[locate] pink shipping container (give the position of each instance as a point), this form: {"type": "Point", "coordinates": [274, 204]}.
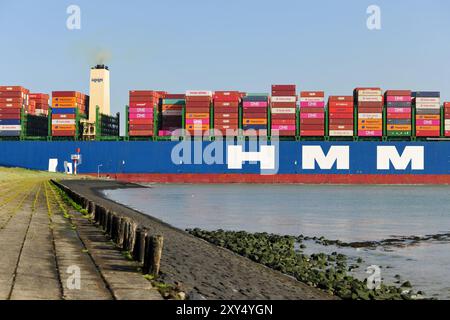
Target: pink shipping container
{"type": "Point", "coordinates": [372, 133]}
{"type": "Point", "coordinates": [197, 121]}
{"type": "Point", "coordinates": [399, 110]}
{"type": "Point", "coordinates": [141, 115]}
{"type": "Point", "coordinates": [398, 99]}
{"type": "Point", "coordinates": [283, 127]}
{"type": "Point", "coordinates": [314, 104]}
{"type": "Point", "coordinates": [421, 122]}
{"type": "Point", "coordinates": [258, 104]}
{"type": "Point", "coordinates": [312, 116]}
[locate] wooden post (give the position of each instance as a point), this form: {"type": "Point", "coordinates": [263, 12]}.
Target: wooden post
{"type": "Point", "coordinates": [114, 227]}
{"type": "Point", "coordinates": [124, 233]}
{"type": "Point", "coordinates": [153, 253]}
{"type": "Point", "coordinates": [120, 232]}
{"type": "Point", "coordinates": [131, 233]}
{"type": "Point", "coordinates": [108, 221]}
{"type": "Point", "coordinates": [139, 245]}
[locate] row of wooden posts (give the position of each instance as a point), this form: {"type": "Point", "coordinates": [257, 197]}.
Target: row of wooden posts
{"type": "Point", "coordinates": [124, 232]}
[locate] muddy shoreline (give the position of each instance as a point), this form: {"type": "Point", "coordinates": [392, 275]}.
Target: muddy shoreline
{"type": "Point", "coordinates": [203, 270]}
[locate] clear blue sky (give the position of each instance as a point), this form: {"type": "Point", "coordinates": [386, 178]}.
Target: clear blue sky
{"type": "Point", "coordinates": [212, 44]}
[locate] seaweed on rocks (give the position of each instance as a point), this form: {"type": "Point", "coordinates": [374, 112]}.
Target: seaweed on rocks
{"type": "Point", "coordinates": [284, 254]}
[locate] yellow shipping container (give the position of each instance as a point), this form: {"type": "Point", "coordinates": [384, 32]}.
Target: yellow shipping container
{"type": "Point", "coordinates": [399, 127]}
{"type": "Point", "coordinates": [63, 127]}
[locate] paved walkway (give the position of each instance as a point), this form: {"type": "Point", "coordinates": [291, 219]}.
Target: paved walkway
{"type": "Point", "coordinates": [49, 251]}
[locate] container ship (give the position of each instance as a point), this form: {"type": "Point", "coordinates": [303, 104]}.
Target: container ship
{"type": "Point", "coordinates": [201, 136]}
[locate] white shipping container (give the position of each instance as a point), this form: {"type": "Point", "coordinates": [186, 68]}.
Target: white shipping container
{"type": "Point", "coordinates": [370, 98]}
{"type": "Point", "coordinates": [283, 110]}
{"type": "Point", "coordinates": [447, 127]}
{"type": "Point", "coordinates": [428, 100]}
{"type": "Point", "coordinates": [370, 115]}
{"type": "Point", "coordinates": [10, 127]}
{"type": "Point", "coordinates": [370, 92]}
{"type": "Point", "coordinates": [63, 121]}
{"type": "Point", "coordinates": [194, 93]}
{"type": "Point", "coordinates": [283, 99]}
{"type": "Point", "coordinates": [312, 99]}
{"type": "Point", "coordinates": [428, 106]}
{"type": "Point", "coordinates": [341, 133]}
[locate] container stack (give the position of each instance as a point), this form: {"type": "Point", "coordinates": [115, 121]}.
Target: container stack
{"type": "Point", "coordinates": [13, 99]}
{"type": "Point", "coordinates": [428, 113]}
{"type": "Point", "coordinates": [226, 112]}
{"type": "Point", "coordinates": [447, 119]}
{"type": "Point", "coordinates": [312, 113]}
{"type": "Point", "coordinates": [254, 114]}
{"type": "Point", "coordinates": [340, 116]}
{"type": "Point", "coordinates": [283, 110]}
{"type": "Point", "coordinates": [171, 114]}
{"type": "Point", "coordinates": [141, 112]}
{"type": "Point", "coordinates": [198, 104]}
{"type": "Point", "coordinates": [370, 111]}
{"type": "Point", "coordinates": [41, 101]}
{"type": "Point", "coordinates": [399, 113]}
{"type": "Point", "coordinates": [65, 107]}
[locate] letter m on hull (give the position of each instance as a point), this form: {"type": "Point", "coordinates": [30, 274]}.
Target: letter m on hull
{"type": "Point", "coordinates": [387, 155]}
{"type": "Point", "coordinates": [339, 155]}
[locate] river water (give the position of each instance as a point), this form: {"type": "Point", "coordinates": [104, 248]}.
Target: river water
{"type": "Point", "coordinates": [346, 213]}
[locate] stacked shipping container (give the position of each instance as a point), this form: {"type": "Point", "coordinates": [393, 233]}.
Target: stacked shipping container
{"type": "Point", "coordinates": [447, 119]}
{"type": "Point", "coordinates": [13, 99]}
{"type": "Point", "coordinates": [340, 116]}
{"type": "Point", "coordinates": [65, 107]}
{"type": "Point", "coordinates": [428, 113]}
{"type": "Point", "coordinates": [370, 111]}
{"type": "Point", "coordinates": [41, 101]}
{"type": "Point", "coordinates": [141, 112]}
{"type": "Point", "coordinates": [398, 113]}
{"type": "Point", "coordinates": [254, 114]}
{"type": "Point", "coordinates": [172, 114]}
{"type": "Point", "coordinates": [198, 108]}
{"type": "Point", "coordinates": [312, 113]}
{"type": "Point", "coordinates": [283, 110]}
{"type": "Point", "coordinates": [226, 112]}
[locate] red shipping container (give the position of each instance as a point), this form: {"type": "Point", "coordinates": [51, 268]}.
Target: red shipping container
{"type": "Point", "coordinates": [283, 105]}
{"type": "Point", "coordinates": [139, 99]}
{"type": "Point", "coordinates": [198, 104]}
{"type": "Point", "coordinates": [284, 93]}
{"type": "Point", "coordinates": [340, 110]}
{"type": "Point", "coordinates": [141, 105]}
{"type": "Point", "coordinates": [312, 121]}
{"type": "Point", "coordinates": [284, 133]}
{"type": "Point", "coordinates": [341, 99]}
{"type": "Point", "coordinates": [13, 88]}
{"type": "Point", "coordinates": [144, 93]}
{"type": "Point", "coordinates": [428, 133]}
{"type": "Point", "coordinates": [198, 99]}
{"type": "Point", "coordinates": [63, 116]}
{"type": "Point", "coordinates": [226, 121]}
{"type": "Point", "coordinates": [133, 127]}
{"type": "Point", "coordinates": [140, 133]}
{"type": "Point", "coordinates": [284, 87]}
{"type": "Point", "coordinates": [12, 94]}
{"type": "Point", "coordinates": [312, 110]}
{"type": "Point", "coordinates": [346, 127]}
{"type": "Point", "coordinates": [226, 116]}
{"type": "Point", "coordinates": [63, 133]}
{"type": "Point", "coordinates": [311, 127]}
{"type": "Point", "coordinates": [140, 121]}
{"type": "Point", "coordinates": [312, 94]}
{"type": "Point", "coordinates": [341, 115]}
{"type": "Point", "coordinates": [255, 115]}
{"type": "Point", "coordinates": [341, 121]}
{"type": "Point", "coordinates": [228, 104]}
{"type": "Point", "coordinates": [16, 105]}
{"type": "Point", "coordinates": [399, 93]}
{"type": "Point", "coordinates": [10, 110]}
{"type": "Point", "coordinates": [197, 110]}
{"type": "Point", "coordinates": [312, 133]}
{"type": "Point", "coordinates": [284, 121]}
{"type": "Point", "coordinates": [11, 100]}
{"type": "Point", "coordinates": [66, 94]}
{"type": "Point", "coordinates": [283, 116]}
{"type": "Point", "coordinates": [370, 110]}
{"type": "Point", "coordinates": [180, 96]}
{"type": "Point", "coordinates": [368, 104]}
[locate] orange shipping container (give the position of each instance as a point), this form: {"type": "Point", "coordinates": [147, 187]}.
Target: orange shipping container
{"type": "Point", "coordinates": [428, 128]}
{"type": "Point", "coordinates": [255, 121]}
{"type": "Point", "coordinates": [197, 115]}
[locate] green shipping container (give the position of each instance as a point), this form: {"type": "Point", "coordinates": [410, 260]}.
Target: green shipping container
{"type": "Point", "coordinates": [399, 133]}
